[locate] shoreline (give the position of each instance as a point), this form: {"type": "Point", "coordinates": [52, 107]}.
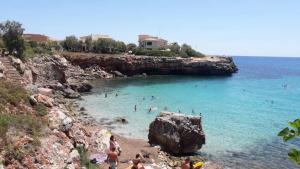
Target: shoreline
{"type": "Point", "coordinates": [54, 82]}
{"type": "Point", "coordinates": [125, 140]}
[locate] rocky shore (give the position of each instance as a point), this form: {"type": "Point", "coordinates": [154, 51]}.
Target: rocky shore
{"type": "Point", "coordinates": [54, 82]}
{"type": "Point", "coordinates": [133, 65]}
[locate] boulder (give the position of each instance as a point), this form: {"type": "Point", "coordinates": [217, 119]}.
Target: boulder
{"type": "Point", "coordinates": [59, 120]}
{"type": "Point", "coordinates": [18, 64]}
{"type": "Point", "coordinates": [28, 76]}
{"type": "Point", "coordinates": [2, 67]}
{"type": "Point", "coordinates": [84, 86]}
{"type": "Point", "coordinates": [71, 94]}
{"type": "Point", "coordinates": [176, 133]}
{"type": "Point", "coordinates": [121, 120]}
{"type": "Point", "coordinates": [33, 100]}
{"type": "Point", "coordinates": [79, 135]}
{"type": "Point", "coordinates": [74, 156]}
{"type": "Point", "coordinates": [2, 76]}
{"type": "Point", "coordinates": [117, 73]}
{"type": "Point", "coordinates": [47, 101]}
{"type": "Point", "coordinates": [45, 91]}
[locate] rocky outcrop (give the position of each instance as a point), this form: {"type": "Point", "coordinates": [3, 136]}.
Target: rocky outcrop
{"type": "Point", "coordinates": [177, 134]}
{"type": "Point", "coordinates": [132, 65]}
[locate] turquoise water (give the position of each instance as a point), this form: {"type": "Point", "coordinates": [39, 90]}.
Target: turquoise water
{"type": "Point", "coordinates": [242, 113]}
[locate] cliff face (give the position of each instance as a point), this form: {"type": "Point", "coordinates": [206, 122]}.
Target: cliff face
{"type": "Point", "coordinates": [132, 65]}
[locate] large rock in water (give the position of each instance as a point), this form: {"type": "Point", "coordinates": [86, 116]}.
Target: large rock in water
{"type": "Point", "coordinates": [176, 133]}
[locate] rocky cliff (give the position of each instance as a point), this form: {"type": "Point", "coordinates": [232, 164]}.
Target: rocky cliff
{"type": "Point", "coordinates": [132, 65]}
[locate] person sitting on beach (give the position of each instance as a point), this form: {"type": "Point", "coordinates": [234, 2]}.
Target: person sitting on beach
{"type": "Point", "coordinates": [114, 144]}
{"type": "Point", "coordinates": [112, 159]}
{"type": "Point", "coordinates": [186, 164]}
{"type": "Point", "coordinates": [138, 159]}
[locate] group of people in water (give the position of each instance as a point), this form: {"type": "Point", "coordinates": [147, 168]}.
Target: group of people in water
{"type": "Point", "coordinates": [151, 108]}
{"type": "Point", "coordinates": [137, 163]}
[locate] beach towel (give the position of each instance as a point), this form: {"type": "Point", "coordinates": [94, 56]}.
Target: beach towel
{"type": "Point", "coordinates": [98, 158]}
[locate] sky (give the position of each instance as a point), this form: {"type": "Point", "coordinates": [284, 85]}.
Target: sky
{"type": "Point", "coordinates": [222, 27]}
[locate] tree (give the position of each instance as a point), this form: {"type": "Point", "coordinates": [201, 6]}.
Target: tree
{"type": "Point", "coordinates": [174, 47]}
{"type": "Point", "coordinates": [12, 33]}
{"type": "Point", "coordinates": [1, 43]}
{"type": "Point", "coordinates": [119, 47]}
{"type": "Point", "coordinates": [130, 47]}
{"type": "Point", "coordinates": [89, 44]}
{"type": "Point", "coordinates": [71, 43]}
{"type": "Point", "coordinates": [188, 51]}
{"type": "Point", "coordinates": [289, 134]}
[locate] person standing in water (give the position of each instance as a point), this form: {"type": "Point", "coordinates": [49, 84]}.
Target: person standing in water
{"type": "Point", "coordinates": [135, 107]}
{"type": "Point", "coordinates": [150, 110]}
{"type": "Point", "coordinates": [105, 95]}
{"type": "Point", "coordinates": [116, 94]}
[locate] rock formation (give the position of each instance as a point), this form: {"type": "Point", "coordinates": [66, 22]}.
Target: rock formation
{"type": "Point", "coordinates": [176, 133]}
{"type": "Point", "coordinates": [132, 65]}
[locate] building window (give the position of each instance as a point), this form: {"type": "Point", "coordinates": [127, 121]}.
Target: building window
{"type": "Point", "coordinates": [149, 43]}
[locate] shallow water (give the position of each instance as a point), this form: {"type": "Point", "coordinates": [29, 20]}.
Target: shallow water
{"type": "Point", "coordinates": [242, 113]}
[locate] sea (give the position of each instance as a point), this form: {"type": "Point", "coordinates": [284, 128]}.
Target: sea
{"type": "Point", "coordinates": [241, 114]}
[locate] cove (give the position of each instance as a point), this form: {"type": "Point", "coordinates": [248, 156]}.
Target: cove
{"type": "Point", "coordinates": [242, 113]}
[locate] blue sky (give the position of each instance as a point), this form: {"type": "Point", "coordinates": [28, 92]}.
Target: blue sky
{"type": "Point", "coordinates": [230, 27]}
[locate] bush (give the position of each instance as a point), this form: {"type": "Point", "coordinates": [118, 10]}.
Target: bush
{"type": "Point", "coordinates": [12, 93]}
{"type": "Point", "coordinates": [21, 124]}
{"type": "Point", "coordinates": [12, 32]}
{"type": "Point", "coordinates": [140, 51]}
{"type": "Point", "coordinates": [84, 159]}
{"type": "Point", "coordinates": [40, 109]}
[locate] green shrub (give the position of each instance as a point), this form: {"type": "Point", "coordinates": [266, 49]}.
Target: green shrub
{"type": "Point", "coordinates": [40, 109]}
{"type": "Point", "coordinates": [140, 51]}
{"type": "Point", "coordinates": [84, 159]}
{"type": "Point", "coordinates": [12, 93]}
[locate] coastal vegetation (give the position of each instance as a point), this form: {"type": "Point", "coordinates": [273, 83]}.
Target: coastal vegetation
{"type": "Point", "coordinates": [110, 46]}
{"type": "Point", "coordinates": [289, 134]}
{"type": "Point", "coordinates": [11, 38]}
{"type": "Point", "coordinates": [19, 129]}
{"type": "Point", "coordinates": [11, 32]}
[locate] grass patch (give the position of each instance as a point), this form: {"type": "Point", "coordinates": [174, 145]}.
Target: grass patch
{"type": "Point", "coordinates": [84, 159]}
{"type": "Point", "coordinates": [40, 109]}
{"type": "Point", "coordinates": [19, 130]}
{"type": "Point", "coordinates": [11, 93]}
{"type": "Point", "coordinates": [21, 125]}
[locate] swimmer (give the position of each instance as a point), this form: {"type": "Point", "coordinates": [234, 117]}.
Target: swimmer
{"type": "Point", "coordinates": [165, 108]}
{"type": "Point", "coordinates": [193, 111]}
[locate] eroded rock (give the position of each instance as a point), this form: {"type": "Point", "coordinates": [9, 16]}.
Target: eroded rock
{"type": "Point", "coordinates": [176, 133]}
